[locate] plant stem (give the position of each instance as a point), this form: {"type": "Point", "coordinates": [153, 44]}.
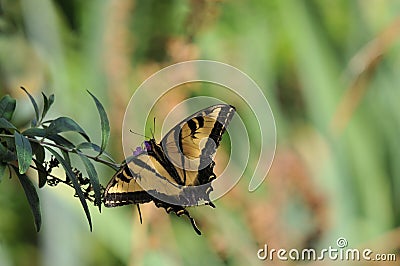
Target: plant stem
{"type": "Point", "coordinates": [54, 177]}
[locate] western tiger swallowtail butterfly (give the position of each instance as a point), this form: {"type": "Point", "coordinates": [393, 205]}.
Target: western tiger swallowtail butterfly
{"type": "Point", "coordinates": [166, 173]}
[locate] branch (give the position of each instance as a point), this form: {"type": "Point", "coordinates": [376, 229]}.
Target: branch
{"type": "Point", "coordinates": [59, 180]}
{"type": "Point", "coordinates": [95, 158]}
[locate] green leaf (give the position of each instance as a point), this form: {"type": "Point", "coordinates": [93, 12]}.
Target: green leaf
{"type": "Point", "coordinates": [94, 179]}
{"type": "Point", "coordinates": [45, 133]}
{"type": "Point", "coordinates": [3, 167]}
{"type": "Point", "coordinates": [60, 140]}
{"type": "Point", "coordinates": [24, 152]}
{"type": "Point", "coordinates": [45, 106]}
{"type": "Point", "coordinates": [88, 145]}
{"type": "Point", "coordinates": [105, 125]}
{"type": "Point", "coordinates": [47, 102]}
{"type": "Point", "coordinates": [39, 153]}
{"type": "Point", "coordinates": [64, 124]}
{"type": "Point", "coordinates": [32, 197]}
{"type": "Point", "coordinates": [4, 124]}
{"type": "Point", "coordinates": [7, 107]}
{"type": "Point", "coordinates": [42, 173]}
{"type": "Point", "coordinates": [95, 147]}
{"type": "Point", "coordinates": [6, 155]}
{"type": "Point", "coordinates": [72, 177]}
{"type": "Point", "coordinates": [66, 157]}
{"type": "Point", "coordinates": [51, 100]}
{"type": "Point", "coordinates": [35, 132]}
{"type": "Point", "coordinates": [35, 106]}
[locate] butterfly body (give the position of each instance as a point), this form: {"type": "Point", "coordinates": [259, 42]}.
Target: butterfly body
{"type": "Point", "coordinates": [177, 172]}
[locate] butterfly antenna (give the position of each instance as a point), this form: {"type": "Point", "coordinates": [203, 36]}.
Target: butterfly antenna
{"type": "Point", "coordinates": [133, 132]}
{"type": "Point", "coordinates": [140, 213]}
{"type": "Point", "coordinates": [154, 127]}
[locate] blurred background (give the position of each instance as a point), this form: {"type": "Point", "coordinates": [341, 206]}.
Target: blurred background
{"type": "Point", "coordinates": [328, 69]}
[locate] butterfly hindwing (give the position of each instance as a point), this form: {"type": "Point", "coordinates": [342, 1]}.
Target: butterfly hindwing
{"type": "Point", "coordinates": [137, 180]}
{"type": "Point", "coordinates": [123, 188]}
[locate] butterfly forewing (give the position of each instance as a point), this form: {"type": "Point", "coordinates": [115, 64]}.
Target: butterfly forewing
{"type": "Point", "coordinates": [191, 145]}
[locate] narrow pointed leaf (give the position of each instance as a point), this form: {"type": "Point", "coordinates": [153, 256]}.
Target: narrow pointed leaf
{"type": "Point", "coordinates": [51, 100]}
{"type": "Point", "coordinates": [88, 145]}
{"type": "Point", "coordinates": [7, 107]}
{"type": "Point", "coordinates": [6, 155]}
{"type": "Point", "coordinates": [4, 124]}
{"type": "Point", "coordinates": [9, 171]}
{"type": "Point", "coordinates": [35, 106]}
{"type": "Point", "coordinates": [45, 106]}
{"type": "Point", "coordinates": [94, 179]}
{"type": "Point", "coordinates": [24, 152]}
{"type": "Point", "coordinates": [47, 102]}
{"type": "Point", "coordinates": [42, 174]}
{"type": "Point", "coordinates": [95, 147]}
{"type": "Point", "coordinates": [64, 124]}
{"type": "Point", "coordinates": [60, 140]}
{"type": "Point", "coordinates": [74, 180]}
{"type": "Point", "coordinates": [3, 167]}
{"type": "Point", "coordinates": [66, 157]}
{"type": "Point", "coordinates": [32, 197]}
{"type": "Point", "coordinates": [43, 133]}
{"type": "Point", "coordinates": [105, 124]}
{"type": "Point", "coordinates": [34, 132]}
{"type": "Point", "coordinates": [39, 153]}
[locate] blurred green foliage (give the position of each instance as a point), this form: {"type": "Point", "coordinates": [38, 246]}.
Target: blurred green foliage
{"type": "Point", "coordinates": [328, 69]}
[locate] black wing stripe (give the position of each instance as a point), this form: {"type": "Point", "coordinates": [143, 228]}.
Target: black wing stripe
{"type": "Point", "coordinates": [125, 198]}
{"type": "Point", "coordinates": [158, 154]}
{"type": "Point", "coordinates": [181, 151]}
{"type": "Point", "coordinates": [200, 121]}
{"type": "Point", "coordinates": [206, 174]}
{"type": "Point", "coordinates": [192, 125]}
{"type": "Point", "coordinates": [151, 169]}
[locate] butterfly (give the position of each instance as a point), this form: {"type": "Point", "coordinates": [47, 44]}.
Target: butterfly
{"type": "Point", "coordinates": [177, 172]}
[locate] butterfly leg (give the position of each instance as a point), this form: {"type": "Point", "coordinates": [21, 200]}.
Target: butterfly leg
{"type": "Point", "coordinates": [140, 213]}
